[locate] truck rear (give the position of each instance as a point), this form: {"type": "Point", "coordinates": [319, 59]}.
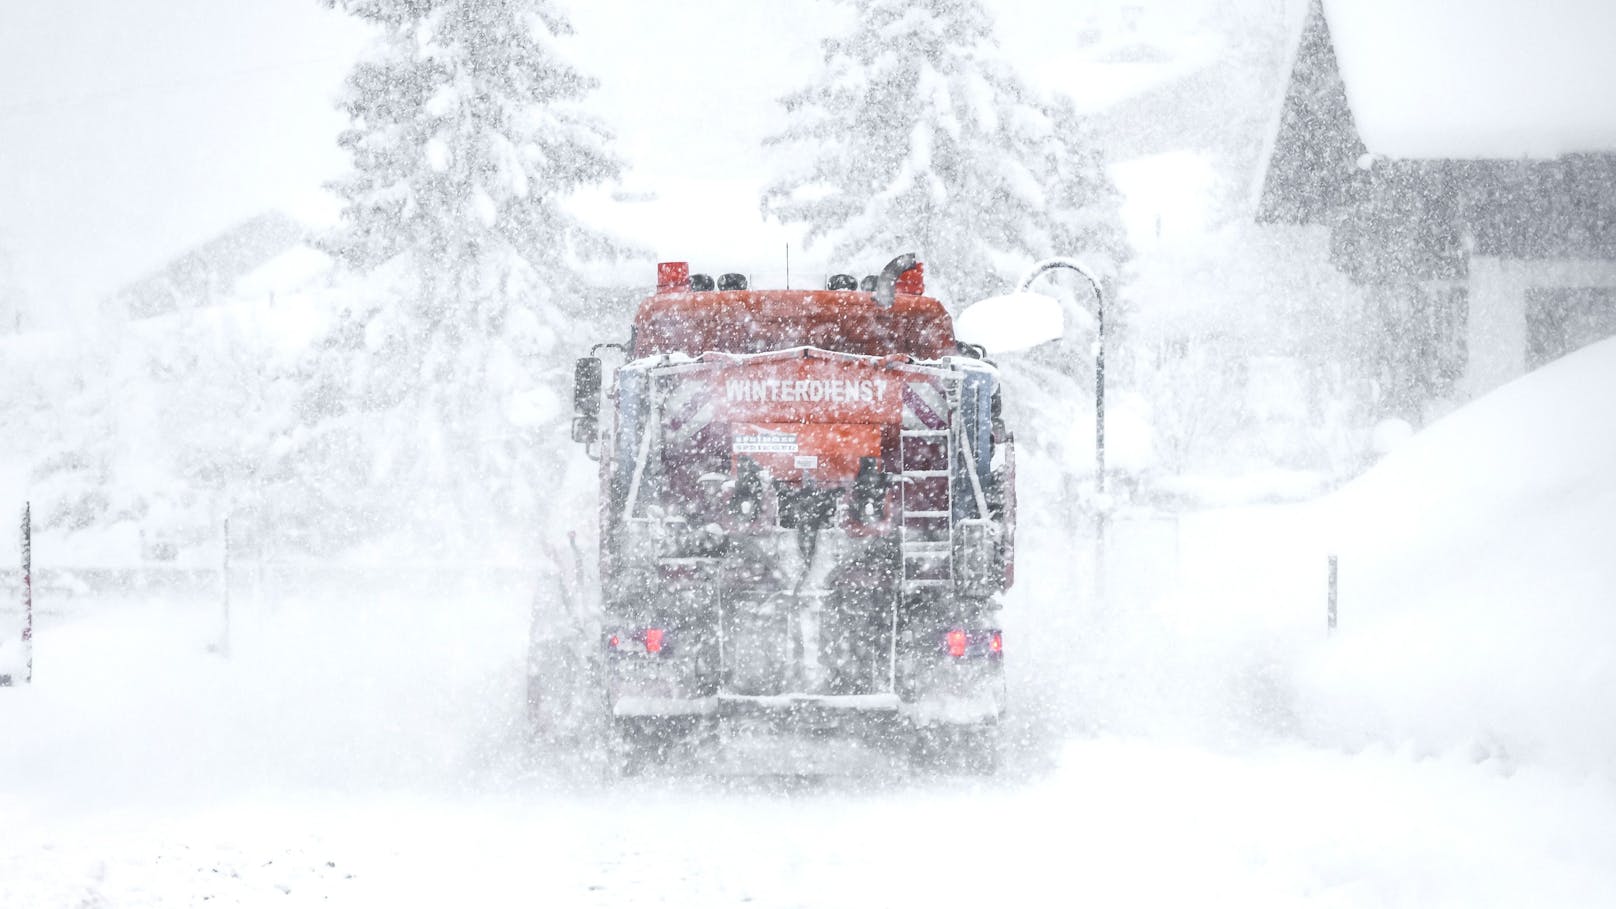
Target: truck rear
{"type": "Point", "coordinates": [806, 523]}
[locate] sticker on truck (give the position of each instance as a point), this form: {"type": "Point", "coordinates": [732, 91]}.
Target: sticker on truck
{"type": "Point", "coordinates": [766, 442]}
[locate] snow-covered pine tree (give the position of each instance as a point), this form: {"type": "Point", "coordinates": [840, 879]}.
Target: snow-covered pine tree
{"type": "Point", "coordinates": [467, 132]}
{"type": "Point", "coordinates": [918, 135]}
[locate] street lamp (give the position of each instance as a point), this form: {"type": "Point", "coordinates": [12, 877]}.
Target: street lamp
{"type": "Point", "coordinates": [1101, 506]}
{"type": "Point", "coordinates": [1022, 319]}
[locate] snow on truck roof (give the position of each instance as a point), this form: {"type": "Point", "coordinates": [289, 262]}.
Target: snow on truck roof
{"type": "Point", "coordinates": [752, 321]}
{"type": "Point", "coordinates": [1495, 79]}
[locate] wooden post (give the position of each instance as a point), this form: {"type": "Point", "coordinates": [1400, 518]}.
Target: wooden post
{"type": "Point", "coordinates": [1330, 609]}
{"type": "Point", "coordinates": [28, 591]}
{"type": "Point", "coordinates": [224, 573]}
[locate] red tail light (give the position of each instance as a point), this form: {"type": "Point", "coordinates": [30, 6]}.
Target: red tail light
{"type": "Point", "coordinates": [996, 643]}
{"type": "Point", "coordinates": [649, 642]}
{"type": "Point", "coordinates": [955, 641]}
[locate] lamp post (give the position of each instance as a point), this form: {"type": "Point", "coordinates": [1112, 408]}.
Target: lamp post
{"type": "Point", "coordinates": [1101, 507]}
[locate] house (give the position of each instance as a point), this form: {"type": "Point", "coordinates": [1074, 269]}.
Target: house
{"type": "Point", "coordinates": [1234, 332]}
{"type": "Point", "coordinates": [1463, 159]}
{"type": "Point", "coordinates": [208, 274]}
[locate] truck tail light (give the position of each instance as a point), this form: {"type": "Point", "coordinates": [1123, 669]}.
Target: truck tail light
{"type": "Point", "coordinates": [961, 644]}
{"type": "Point", "coordinates": [649, 641]}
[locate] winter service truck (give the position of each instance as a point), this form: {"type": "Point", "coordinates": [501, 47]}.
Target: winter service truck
{"type": "Point", "coordinates": [807, 513]}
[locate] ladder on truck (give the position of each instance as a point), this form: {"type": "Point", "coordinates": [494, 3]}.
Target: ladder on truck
{"type": "Point", "coordinates": [925, 458]}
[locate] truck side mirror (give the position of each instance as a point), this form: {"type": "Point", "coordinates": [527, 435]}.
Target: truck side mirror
{"type": "Point", "coordinates": [586, 400]}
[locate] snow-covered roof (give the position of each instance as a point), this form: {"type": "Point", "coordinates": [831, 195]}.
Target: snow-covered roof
{"type": "Point", "coordinates": [207, 273]}
{"type": "Point", "coordinates": [1100, 77]}
{"type": "Point", "coordinates": [1484, 79]}
{"type": "Point", "coordinates": [293, 270]}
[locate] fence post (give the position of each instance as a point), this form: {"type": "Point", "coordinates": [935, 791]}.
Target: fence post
{"type": "Point", "coordinates": [1330, 616]}
{"type": "Point", "coordinates": [224, 575]}
{"type": "Point", "coordinates": [258, 583]}
{"type": "Point", "coordinates": [28, 591]}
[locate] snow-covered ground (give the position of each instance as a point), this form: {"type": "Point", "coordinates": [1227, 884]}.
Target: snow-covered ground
{"type": "Point", "coordinates": [1197, 738]}
{"type": "Point", "coordinates": [363, 754]}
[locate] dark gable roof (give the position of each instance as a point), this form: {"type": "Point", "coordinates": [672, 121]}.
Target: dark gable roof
{"type": "Point", "coordinates": [1316, 149]}
{"type": "Point", "coordinates": [1539, 209]}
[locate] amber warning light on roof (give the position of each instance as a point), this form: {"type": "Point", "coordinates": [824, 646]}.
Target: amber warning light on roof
{"type": "Point", "coordinates": [913, 281]}
{"type": "Point", "coordinates": [672, 276]}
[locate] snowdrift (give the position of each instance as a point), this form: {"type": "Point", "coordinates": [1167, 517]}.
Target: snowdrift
{"type": "Point", "coordinates": [1475, 599]}
{"type": "Point", "coordinates": [1477, 576]}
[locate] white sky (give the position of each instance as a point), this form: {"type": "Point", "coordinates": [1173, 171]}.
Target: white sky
{"type": "Point", "coordinates": [131, 130]}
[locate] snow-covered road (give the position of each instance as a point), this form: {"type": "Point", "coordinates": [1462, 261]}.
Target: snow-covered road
{"type": "Point", "coordinates": [341, 756]}
{"type": "Point", "coordinates": [1119, 824]}
{"type": "Point", "coordinates": [1196, 739]}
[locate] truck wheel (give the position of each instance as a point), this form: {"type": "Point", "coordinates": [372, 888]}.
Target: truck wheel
{"type": "Point", "coordinates": [634, 747]}
{"type": "Point", "coordinates": [629, 761]}
{"type": "Point", "coordinates": [979, 750]}
{"type": "Point", "coordinates": [927, 749]}
{"type": "Point", "coordinates": [967, 750]}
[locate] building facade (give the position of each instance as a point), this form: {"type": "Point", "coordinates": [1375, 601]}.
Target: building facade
{"type": "Point", "coordinates": [1478, 264]}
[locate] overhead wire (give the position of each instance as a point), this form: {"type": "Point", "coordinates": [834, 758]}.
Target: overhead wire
{"type": "Point", "coordinates": [26, 109]}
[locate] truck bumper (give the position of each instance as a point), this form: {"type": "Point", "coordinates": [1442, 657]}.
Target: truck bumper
{"type": "Point", "coordinates": [796, 735]}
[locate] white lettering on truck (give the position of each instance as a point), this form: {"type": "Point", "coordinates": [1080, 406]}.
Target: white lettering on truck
{"type": "Point", "coordinates": [840, 391]}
